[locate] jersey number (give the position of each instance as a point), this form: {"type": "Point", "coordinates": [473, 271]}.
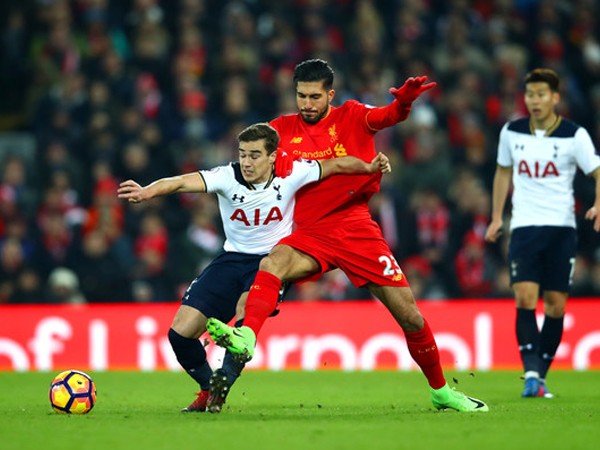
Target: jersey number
{"type": "Point", "coordinates": [391, 265]}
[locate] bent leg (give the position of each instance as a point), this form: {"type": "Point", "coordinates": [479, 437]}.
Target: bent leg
{"type": "Point", "coordinates": [283, 263]}
{"type": "Point", "coordinates": [188, 324]}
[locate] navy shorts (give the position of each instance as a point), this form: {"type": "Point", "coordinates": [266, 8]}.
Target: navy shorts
{"type": "Point", "coordinates": [544, 255]}
{"type": "Point", "coordinates": [216, 291]}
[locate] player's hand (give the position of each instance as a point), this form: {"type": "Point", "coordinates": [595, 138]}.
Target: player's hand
{"type": "Point", "coordinates": [494, 231]}
{"type": "Point", "coordinates": [284, 163]}
{"type": "Point", "coordinates": [592, 214]}
{"type": "Point", "coordinates": [131, 191]}
{"type": "Point", "coordinates": [381, 163]}
{"type": "Point", "coordinates": [412, 89]}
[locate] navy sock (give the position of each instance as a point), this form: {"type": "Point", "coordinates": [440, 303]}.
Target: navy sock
{"type": "Point", "coordinates": [233, 368]}
{"type": "Point", "coordinates": [528, 337]}
{"type": "Point", "coordinates": [192, 357]}
{"type": "Point", "coordinates": [550, 337]}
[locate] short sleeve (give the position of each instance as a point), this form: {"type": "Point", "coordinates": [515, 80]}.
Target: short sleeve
{"type": "Point", "coordinates": [217, 179]}
{"type": "Point", "coordinates": [585, 153]}
{"type": "Point", "coordinates": [504, 158]}
{"type": "Point", "coordinates": [305, 172]}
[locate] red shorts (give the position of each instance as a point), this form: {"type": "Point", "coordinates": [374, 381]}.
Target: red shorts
{"type": "Point", "coordinates": [358, 248]}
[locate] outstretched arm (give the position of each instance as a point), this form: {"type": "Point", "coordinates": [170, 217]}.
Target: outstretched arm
{"type": "Point", "coordinates": [499, 193]}
{"type": "Point", "coordinates": [134, 193]}
{"type": "Point", "coordinates": [352, 165]}
{"type": "Point", "coordinates": [398, 110]}
{"type": "Point", "coordinates": [594, 212]}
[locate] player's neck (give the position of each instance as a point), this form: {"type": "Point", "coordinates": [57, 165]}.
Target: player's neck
{"type": "Point", "coordinates": [546, 123]}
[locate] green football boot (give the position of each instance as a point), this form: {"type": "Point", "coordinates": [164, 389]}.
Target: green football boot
{"type": "Point", "coordinates": [239, 341]}
{"type": "Point", "coordinates": [447, 398]}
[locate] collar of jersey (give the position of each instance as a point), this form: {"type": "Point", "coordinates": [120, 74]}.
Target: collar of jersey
{"type": "Point", "coordinates": [551, 129]}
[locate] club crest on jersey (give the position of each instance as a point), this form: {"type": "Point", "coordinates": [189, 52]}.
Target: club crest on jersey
{"type": "Point", "coordinates": [274, 215]}
{"type": "Point", "coordinates": [278, 189]}
{"type": "Point", "coordinates": [539, 169]}
{"type": "Point", "coordinates": [332, 133]}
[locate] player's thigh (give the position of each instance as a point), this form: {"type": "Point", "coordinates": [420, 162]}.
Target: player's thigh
{"type": "Point", "coordinates": [288, 263]}
{"type": "Point", "coordinates": [525, 251]}
{"type": "Point", "coordinates": [189, 322]}
{"type": "Point", "coordinates": [558, 261]}
{"type": "Point", "coordinates": [401, 304]}
{"type": "Point", "coordinates": [555, 303]}
{"type": "Point", "coordinates": [363, 254]}
{"type": "Point", "coordinates": [216, 292]}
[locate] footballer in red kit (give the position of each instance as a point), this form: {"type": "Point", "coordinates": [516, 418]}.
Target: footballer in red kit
{"type": "Point", "coordinates": [339, 203]}
{"type": "Point", "coordinates": [334, 227]}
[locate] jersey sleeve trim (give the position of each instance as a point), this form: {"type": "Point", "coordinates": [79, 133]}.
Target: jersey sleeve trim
{"type": "Point", "coordinates": [320, 170]}
{"type": "Point", "coordinates": [203, 180]}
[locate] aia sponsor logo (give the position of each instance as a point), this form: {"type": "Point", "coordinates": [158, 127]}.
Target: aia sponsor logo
{"type": "Point", "coordinates": [254, 218]}
{"type": "Point", "coordinates": [538, 169]}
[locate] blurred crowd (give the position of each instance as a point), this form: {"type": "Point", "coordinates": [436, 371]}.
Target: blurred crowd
{"type": "Point", "coordinates": [98, 91]}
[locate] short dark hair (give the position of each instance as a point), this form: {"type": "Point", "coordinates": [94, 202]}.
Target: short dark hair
{"type": "Point", "coordinates": [314, 70]}
{"type": "Point", "coordinates": [543, 75]}
{"type": "Point", "coordinates": [260, 131]}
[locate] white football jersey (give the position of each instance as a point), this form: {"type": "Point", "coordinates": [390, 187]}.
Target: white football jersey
{"type": "Point", "coordinates": [543, 170]}
{"type": "Point", "coordinates": [256, 217]}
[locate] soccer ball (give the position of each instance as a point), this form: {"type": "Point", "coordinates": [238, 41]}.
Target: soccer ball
{"type": "Point", "coordinates": [72, 392]}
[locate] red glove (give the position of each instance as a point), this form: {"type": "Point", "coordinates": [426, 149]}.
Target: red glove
{"type": "Point", "coordinates": [411, 89]}
{"type": "Point", "coordinates": [284, 162]}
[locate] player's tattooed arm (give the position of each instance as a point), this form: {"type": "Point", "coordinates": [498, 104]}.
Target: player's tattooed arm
{"type": "Point", "coordinates": [593, 213]}
{"type": "Point", "coordinates": [352, 165]}
{"type": "Point", "coordinates": [134, 193]}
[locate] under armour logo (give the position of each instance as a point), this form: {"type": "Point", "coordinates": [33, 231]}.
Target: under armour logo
{"type": "Point", "coordinates": [236, 197]}
{"type": "Point", "coordinates": [519, 147]}
{"type": "Point", "coordinates": [526, 347]}
{"type": "Point", "coordinates": [277, 188]}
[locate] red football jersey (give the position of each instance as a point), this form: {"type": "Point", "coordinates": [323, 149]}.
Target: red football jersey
{"type": "Point", "coordinates": [344, 131]}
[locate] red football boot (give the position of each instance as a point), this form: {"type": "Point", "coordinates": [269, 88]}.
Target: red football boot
{"type": "Point", "coordinates": [198, 405]}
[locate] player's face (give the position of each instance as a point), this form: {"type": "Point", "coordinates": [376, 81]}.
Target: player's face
{"type": "Point", "coordinates": [541, 101]}
{"type": "Point", "coordinates": [313, 100]}
{"type": "Point", "coordinates": [256, 165]}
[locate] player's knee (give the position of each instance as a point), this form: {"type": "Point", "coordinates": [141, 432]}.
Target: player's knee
{"type": "Point", "coordinates": [277, 261]}
{"type": "Point", "coordinates": [555, 307]}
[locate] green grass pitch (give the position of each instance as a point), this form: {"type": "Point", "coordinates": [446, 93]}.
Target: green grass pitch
{"type": "Point", "coordinates": [303, 410]}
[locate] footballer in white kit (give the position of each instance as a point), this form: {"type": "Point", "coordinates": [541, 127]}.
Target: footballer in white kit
{"type": "Point", "coordinates": [544, 163]}
{"type": "Point", "coordinates": [256, 211]}
{"type": "Point", "coordinates": [541, 154]}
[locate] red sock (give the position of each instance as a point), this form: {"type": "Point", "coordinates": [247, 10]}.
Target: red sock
{"type": "Point", "coordinates": [262, 300]}
{"type": "Point", "coordinates": [423, 349]}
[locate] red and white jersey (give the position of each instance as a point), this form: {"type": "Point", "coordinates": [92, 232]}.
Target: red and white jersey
{"type": "Point", "coordinates": [344, 131]}
{"type": "Point", "coordinates": [255, 217]}
{"type": "Point", "coordinates": [544, 165]}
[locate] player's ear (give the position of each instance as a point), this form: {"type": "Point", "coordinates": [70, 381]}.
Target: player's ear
{"type": "Point", "coordinates": [330, 94]}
